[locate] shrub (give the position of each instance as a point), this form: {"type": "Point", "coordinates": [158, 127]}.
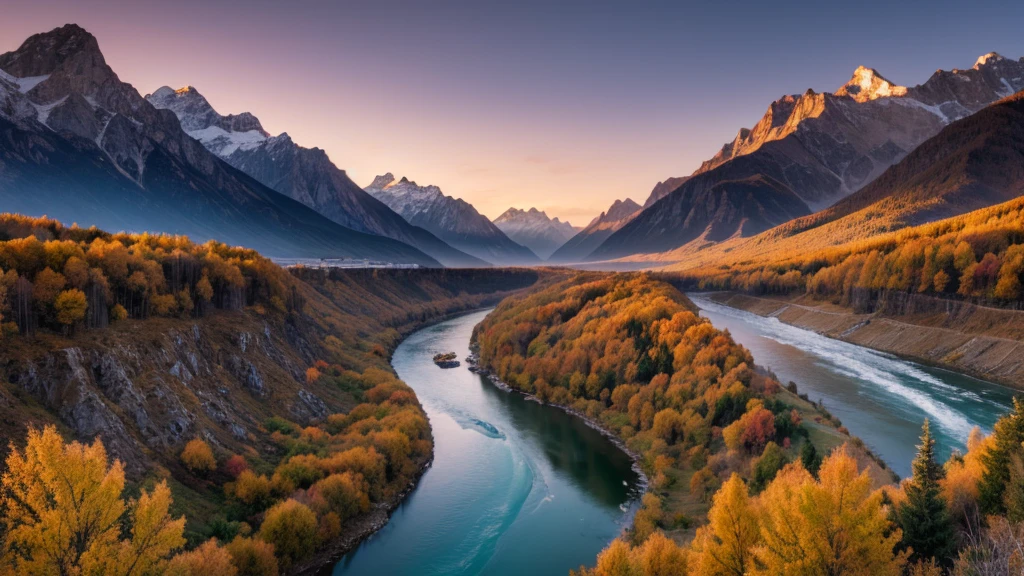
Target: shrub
{"type": "Point", "coordinates": [292, 528]}
{"type": "Point", "coordinates": [253, 557]}
{"type": "Point", "coordinates": [207, 560]}
{"type": "Point", "coordinates": [198, 457]}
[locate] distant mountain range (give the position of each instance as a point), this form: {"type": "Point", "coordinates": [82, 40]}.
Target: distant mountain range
{"type": "Point", "coordinates": [453, 220]}
{"type": "Point", "coordinates": [532, 228]}
{"type": "Point", "coordinates": [303, 174]}
{"type": "Point", "coordinates": [587, 240]}
{"type": "Point", "coordinates": [808, 152]}
{"type": "Point", "coordinates": [78, 144]}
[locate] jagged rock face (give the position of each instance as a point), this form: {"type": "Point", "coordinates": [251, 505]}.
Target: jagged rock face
{"type": "Point", "coordinates": [451, 219]}
{"type": "Point", "coordinates": [822, 147]}
{"type": "Point", "coordinates": [303, 174]}
{"type": "Point", "coordinates": [149, 396]}
{"type": "Point", "coordinates": [195, 113]}
{"type": "Point", "coordinates": [579, 247]}
{"type": "Point", "coordinates": [78, 144]}
{"type": "Point", "coordinates": [532, 228]}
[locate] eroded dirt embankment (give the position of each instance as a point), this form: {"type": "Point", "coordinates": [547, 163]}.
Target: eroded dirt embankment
{"type": "Point", "coordinates": [984, 342]}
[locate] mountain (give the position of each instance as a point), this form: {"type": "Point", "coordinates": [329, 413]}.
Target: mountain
{"type": "Point", "coordinates": [819, 147]}
{"type": "Point", "coordinates": [78, 144]}
{"type": "Point", "coordinates": [662, 189]}
{"type": "Point", "coordinates": [973, 163]}
{"type": "Point", "coordinates": [303, 174]}
{"type": "Point", "coordinates": [532, 228]}
{"type": "Point", "coordinates": [453, 220]}
{"type": "Point", "coordinates": [587, 240]}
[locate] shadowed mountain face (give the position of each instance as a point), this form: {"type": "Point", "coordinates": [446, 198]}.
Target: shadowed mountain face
{"type": "Point", "coordinates": [727, 209]}
{"type": "Point", "coordinates": [587, 240]}
{"type": "Point", "coordinates": [532, 228]}
{"type": "Point", "coordinates": [971, 164]}
{"type": "Point", "coordinates": [303, 174]}
{"type": "Point", "coordinates": [78, 144]}
{"type": "Point", "coordinates": [451, 219]}
{"type": "Point", "coordinates": [821, 147]}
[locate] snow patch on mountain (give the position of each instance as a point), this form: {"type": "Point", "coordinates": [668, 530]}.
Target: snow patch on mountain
{"type": "Point", "coordinates": [224, 143]}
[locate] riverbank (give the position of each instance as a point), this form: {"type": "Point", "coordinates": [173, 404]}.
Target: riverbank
{"type": "Point", "coordinates": [474, 366]}
{"type": "Point", "coordinates": [322, 563]}
{"type": "Point", "coordinates": [985, 343]}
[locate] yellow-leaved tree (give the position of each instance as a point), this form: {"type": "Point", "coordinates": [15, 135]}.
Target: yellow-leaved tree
{"type": "Point", "coordinates": [61, 511]}
{"type": "Point", "coordinates": [657, 556]}
{"type": "Point", "coordinates": [836, 525]}
{"type": "Point", "coordinates": [724, 547]}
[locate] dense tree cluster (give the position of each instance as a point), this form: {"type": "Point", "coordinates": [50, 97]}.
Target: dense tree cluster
{"type": "Point", "coordinates": [628, 352]}
{"type": "Point", "coordinates": [338, 469]}
{"type": "Point", "coordinates": [932, 524]}
{"type": "Point", "coordinates": [631, 353]}
{"type": "Point", "coordinates": [58, 277]}
{"type": "Point", "coordinates": [978, 256]}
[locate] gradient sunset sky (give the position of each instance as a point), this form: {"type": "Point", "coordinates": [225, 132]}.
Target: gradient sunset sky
{"type": "Point", "coordinates": [565, 106]}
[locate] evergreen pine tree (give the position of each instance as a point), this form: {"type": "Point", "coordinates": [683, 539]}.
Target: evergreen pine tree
{"type": "Point", "coordinates": [809, 458]}
{"type": "Point", "coordinates": [927, 525]}
{"type": "Point", "coordinates": [1008, 433]}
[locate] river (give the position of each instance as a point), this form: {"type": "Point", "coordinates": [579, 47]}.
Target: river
{"type": "Point", "coordinates": [516, 487]}
{"type": "Point", "coordinates": [879, 397]}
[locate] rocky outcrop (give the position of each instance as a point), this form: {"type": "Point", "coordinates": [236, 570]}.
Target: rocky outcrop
{"type": "Point", "coordinates": [141, 395]}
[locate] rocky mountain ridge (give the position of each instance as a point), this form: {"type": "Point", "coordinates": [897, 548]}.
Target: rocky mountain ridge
{"type": "Point", "coordinates": [453, 220]}
{"type": "Point", "coordinates": [818, 147]}
{"type": "Point", "coordinates": [532, 228]}
{"type": "Point", "coordinates": [585, 241]}
{"type": "Point", "coordinates": [78, 144]}
{"type": "Point", "coordinates": [304, 174]}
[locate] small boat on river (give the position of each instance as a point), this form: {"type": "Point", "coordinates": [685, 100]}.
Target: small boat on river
{"type": "Point", "coordinates": [446, 360]}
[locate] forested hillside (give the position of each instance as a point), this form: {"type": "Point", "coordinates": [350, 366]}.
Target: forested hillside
{"type": "Point", "coordinates": [978, 256]}
{"type": "Point", "coordinates": [253, 409]}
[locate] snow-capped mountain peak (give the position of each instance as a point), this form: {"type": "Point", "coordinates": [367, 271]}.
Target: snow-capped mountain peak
{"type": "Point", "coordinates": [533, 229]}
{"type": "Point", "coordinates": [987, 58]}
{"type": "Point", "coordinates": [867, 84]}
{"type": "Point", "coordinates": [453, 220]}
{"type": "Point", "coordinates": [222, 135]}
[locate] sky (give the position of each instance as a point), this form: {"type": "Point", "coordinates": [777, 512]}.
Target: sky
{"type": "Point", "coordinates": [562, 106]}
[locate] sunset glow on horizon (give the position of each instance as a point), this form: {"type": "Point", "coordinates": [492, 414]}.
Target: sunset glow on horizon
{"type": "Point", "coordinates": [520, 104]}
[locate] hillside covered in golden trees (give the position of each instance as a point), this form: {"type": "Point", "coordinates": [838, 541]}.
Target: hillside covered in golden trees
{"type": "Point", "coordinates": [977, 257]}
{"type": "Point", "coordinates": [782, 496]}
{"type": "Point", "coordinates": [196, 409]}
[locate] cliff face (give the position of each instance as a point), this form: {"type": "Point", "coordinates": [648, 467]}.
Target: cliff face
{"type": "Point", "coordinates": [147, 389]}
